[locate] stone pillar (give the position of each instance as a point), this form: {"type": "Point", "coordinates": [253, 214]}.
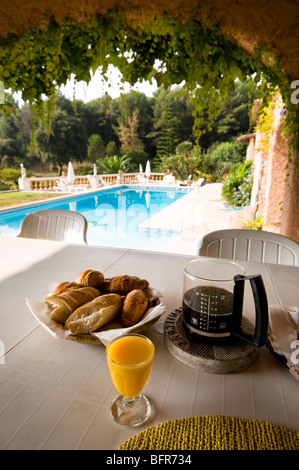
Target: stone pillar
{"type": "Point", "coordinates": [250, 147]}
{"type": "Point", "coordinates": [24, 184]}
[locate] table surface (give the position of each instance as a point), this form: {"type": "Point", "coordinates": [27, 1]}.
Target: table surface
{"type": "Point", "coordinates": [56, 394]}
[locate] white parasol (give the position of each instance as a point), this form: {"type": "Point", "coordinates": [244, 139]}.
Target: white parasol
{"type": "Point", "coordinates": [94, 169]}
{"type": "Point", "coordinates": [70, 173]}
{"type": "Point", "coordinates": [148, 169]}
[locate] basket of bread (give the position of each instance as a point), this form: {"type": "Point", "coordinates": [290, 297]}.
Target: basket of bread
{"type": "Point", "coordinates": [94, 310]}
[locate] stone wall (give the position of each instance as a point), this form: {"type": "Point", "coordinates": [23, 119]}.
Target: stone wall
{"type": "Point", "coordinates": [276, 182]}
{"type": "Point", "coordinates": [290, 214]}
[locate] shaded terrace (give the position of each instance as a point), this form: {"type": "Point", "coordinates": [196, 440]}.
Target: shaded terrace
{"type": "Point", "coordinates": [56, 394]}
{"type": "Point", "coordinates": [250, 37]}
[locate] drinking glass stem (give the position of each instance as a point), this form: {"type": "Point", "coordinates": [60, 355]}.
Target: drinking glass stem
{"type": "Point", "coordinates": [129, 401]}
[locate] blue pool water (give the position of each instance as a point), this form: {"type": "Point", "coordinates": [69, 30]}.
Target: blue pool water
{"type": "Point", "coordinates": [113, 216]}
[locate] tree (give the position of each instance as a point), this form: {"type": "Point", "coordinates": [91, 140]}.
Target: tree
{"type": "Point", "coordinates": [136, 103]}
{"type": "Point", "coordinates": [168, 134]}
{"type": "Point", "coordinates": [137, 157]}
{"type": "Point", "coordinates": [220, 157]}
{"type": "Point", "coordinates": [9, 145]}
{"type": "Point", "coordinates": [100, 117]}
{"type": "Point", "coordinates": [233, 119]}
{"type": "Point", "coordinates": [96, 148]}
{"type": "Point", "coordinates": [64, 104]}
{"type": "Point", "coordinates": [184, 162]}
{"type": "Point", "coordinates": [167, 105]}
{"type": "Point", "coordinates": [112, 165]}
{"type": "Point", "coordinates": [24, 121]}
{"type": "Point", "coordinates": [128, 135]}
{"type": "Point", "coordinates": [111, 149]}
{"type": "Point", "coordinates": [66, 141]}
{"type": "Point", "coordinates": [234, 116]}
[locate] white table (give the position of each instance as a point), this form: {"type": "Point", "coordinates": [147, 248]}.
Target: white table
{"type": "Point", "coordinates": [55, 394]}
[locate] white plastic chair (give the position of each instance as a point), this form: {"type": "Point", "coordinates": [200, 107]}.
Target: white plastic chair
{"type": "Point", "coordinates": [197, 184]}
{"type": "Point", "coordinates": [94, 181]}
{"type": "Point", "coordinates": [169, 179]}
{"type": "Point", "coordinates": [141, 178]}
{"type": "Point", "coordinates": [105, 183]}
{"type": "Point", "coordinates": [62, 185]}
{"type": "Point", "coordinates": [55, 224]}
{"type": "Point", "coordinates": [250, 245]}
{"type": "Point", "coordinates": [186, 182]}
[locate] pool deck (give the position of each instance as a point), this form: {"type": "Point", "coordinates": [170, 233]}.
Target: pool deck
{"type": "Point", "coordinates": [199, 212]}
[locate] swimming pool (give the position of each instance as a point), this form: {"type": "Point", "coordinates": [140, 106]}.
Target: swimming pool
{"type": "Point", "coordinates": [113, 216]}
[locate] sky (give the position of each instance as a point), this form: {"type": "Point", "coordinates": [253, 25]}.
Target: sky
{"type": "Point", "coordinates": [97, 87]}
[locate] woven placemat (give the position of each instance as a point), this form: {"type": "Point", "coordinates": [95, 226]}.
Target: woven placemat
{"type": "Point", "coordinates": [214, 433]}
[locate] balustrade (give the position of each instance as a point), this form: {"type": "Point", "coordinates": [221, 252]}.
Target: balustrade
{"type": "Point", "coordinates": [48, 183]}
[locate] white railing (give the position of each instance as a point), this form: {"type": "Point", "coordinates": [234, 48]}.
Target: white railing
{"type": "Point", "coordinates": [48, 183]}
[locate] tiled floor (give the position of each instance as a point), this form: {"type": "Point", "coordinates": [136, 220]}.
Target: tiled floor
{"type": "Point", "coordinates": [199, 212]}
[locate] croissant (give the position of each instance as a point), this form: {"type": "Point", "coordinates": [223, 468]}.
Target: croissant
{"type": "Point", "coordinates": [123, 284]}
{"type": "Point", "coordinates": [90, 278]}
{"type": "Point", "coordinates": [66, 286]}
{"type": "Point", "coordinates": [66, 303]}
{"type": "Point", "coordinates": [134, 306]}
{"type": "Point", "coordinates": [94, 314]}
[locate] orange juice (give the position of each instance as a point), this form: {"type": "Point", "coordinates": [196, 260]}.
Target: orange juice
{"type": "Point", "coordinates": [130, 360]}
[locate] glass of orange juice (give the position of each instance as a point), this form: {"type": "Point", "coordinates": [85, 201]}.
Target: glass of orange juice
{"type": "Point", "coordinates": [130, 358]}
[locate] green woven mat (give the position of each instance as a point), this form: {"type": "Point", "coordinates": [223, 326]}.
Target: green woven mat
{"type": "Point", "coordinates": [214, 433]}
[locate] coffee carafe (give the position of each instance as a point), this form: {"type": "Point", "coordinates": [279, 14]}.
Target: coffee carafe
{"type": "Point", "coordinates": [213, 301]}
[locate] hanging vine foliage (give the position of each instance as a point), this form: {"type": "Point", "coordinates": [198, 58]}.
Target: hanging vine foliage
{"type": "Point", "coordinates": [165, 49]}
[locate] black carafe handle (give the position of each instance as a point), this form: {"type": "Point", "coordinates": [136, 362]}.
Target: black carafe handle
{"type": "Point", "coordinates": [261, 309]}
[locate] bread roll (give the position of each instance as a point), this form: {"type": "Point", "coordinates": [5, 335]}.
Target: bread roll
{"type": "Point", "coordinates": [123, 284]}
{"type": "Point", "coordinates": [94, 314]}
{"type": "Point", "coordinates": [90, 278]}
{"type": "Point", "coordinates": [135, 305]}
{"type": "Point", "coordinates": [67, 302]}
{"type": "Point", "coordinates": [66, 286]}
